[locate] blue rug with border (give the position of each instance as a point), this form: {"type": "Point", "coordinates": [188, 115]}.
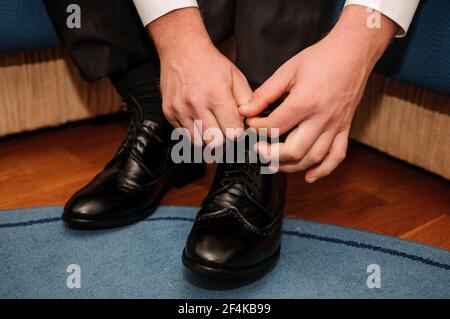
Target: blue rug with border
{"type": "Point", "coordinates": [144, 261]}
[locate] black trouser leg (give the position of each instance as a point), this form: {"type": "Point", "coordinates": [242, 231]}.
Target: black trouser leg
{"type": "Point", "coordinates": [270, 32]}
{"type": "Point", "coordinates": [112, 42]}
{"type": "Point", "coordinates": [111, 39]}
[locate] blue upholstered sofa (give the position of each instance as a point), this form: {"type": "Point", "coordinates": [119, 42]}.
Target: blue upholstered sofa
{"type": "Point", "coordinates": [422, 58]}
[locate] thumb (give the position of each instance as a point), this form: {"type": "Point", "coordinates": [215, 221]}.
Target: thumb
{"type": "Point", "coordinates": [267, 93]}
{"type": "Point", "coordinates": [242, 91]}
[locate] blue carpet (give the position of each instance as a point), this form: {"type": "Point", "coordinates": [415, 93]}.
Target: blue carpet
{"type": "Point", "coordinates": [143, 261]}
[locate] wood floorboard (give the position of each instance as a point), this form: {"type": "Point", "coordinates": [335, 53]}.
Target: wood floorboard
{"type": "Point", "coordinates": [369, 191]}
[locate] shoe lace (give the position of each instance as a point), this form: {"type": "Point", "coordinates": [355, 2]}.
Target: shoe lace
{"type": "Point", "coordinates": [240, 173]}
{"type": "Point", "coordinates": [132, 140]}
{"type": "Point", "coordinates": [136, 116]}
{"type": "Point", "coordinates": [240, 176]}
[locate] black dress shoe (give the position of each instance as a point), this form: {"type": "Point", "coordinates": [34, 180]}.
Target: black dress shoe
{"type": "Point", "coordinates": [133, 182]}
{"type": "Point", "coordinates": [237, 232]}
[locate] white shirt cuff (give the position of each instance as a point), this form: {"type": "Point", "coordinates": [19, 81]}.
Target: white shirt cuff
{"type": "Point", "coordinates": [399, 11]}
{"type": "Point", "coordinates": [150, 10]}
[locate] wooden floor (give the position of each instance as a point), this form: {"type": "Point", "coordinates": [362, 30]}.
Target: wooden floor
{"type": "Point", "coordinates": [370, 191]}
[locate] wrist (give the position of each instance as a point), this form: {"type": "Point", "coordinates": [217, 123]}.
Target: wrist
{"type": "Point", "coordinates": [355, 33]}
{"type": "Point", "coordinates": [178, 30]}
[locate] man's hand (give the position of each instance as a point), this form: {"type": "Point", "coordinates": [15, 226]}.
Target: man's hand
{"type": "Point", "coordinates": [324, 84]}
{"type": "Point", "coordinates": [197, 81]}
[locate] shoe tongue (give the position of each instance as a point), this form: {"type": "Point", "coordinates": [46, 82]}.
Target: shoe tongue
{"type": "Point", "coordinates": [235, 174]}
{"type": "Point", "coordinates": [239, 192]}
{"type": "Point", "coordinates": [235, 194]}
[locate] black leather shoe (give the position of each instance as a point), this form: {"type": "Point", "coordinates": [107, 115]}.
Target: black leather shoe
{"type": "Point", "coordinates": [133, 182]}
{"type": "Point", "coordinates": [237, 232]}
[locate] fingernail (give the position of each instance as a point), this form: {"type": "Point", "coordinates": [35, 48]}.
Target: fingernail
{"type": "Point", "coordinates": [312, 179]}
{"type": "Point", "coordinates": [244, 106]}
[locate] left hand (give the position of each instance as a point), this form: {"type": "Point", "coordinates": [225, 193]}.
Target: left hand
{"type": "Point", "coordinates": [324, 84]}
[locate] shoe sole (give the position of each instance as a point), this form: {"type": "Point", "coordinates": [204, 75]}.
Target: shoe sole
{"type": "Point", "coordinates": [221, 272]}
{"type": "Point", "coordinates": [133, 217]}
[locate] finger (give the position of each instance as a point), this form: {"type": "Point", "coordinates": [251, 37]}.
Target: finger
{"type": "Point", "coordinates": [271, 151]}
{"type": "Point", "coordinates": [297, 143]}
{"type": "Point", "coordinates": [180, 130]}
{"type": "Point", "coordinates": [314, 156]}
{"type": "Point", "coordinates": [231, 123]}
{"type": "Point", "coordinates": [267, 93]}
{"type": "Point", "coordinates": [170, 117]}
{"type": "Point", "coordinates": [174, 123]}
{"type": "Point", "coordinates": [198, 139]}
{"type": "Point", "coordinates": [195, 135]}
{"type": "Point", "coordinates": [332, 160]}
{"type": "Point", "coordinates": [241, 90]}
{"type": "Point", "coordinates": [281, 120]}
{"type": "Point", "coordinates": [211, 131]}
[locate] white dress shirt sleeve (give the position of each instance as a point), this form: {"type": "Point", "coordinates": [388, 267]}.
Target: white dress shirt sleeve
{"type": "Point", "coordinates": [150, 10]}
{"type": "Point", "coordinates": [399, 11]}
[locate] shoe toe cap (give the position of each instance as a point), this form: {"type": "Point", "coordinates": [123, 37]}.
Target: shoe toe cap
{"type": "Point", "coordinates": [94, 204]}
{"type": "Point", "coordinates": [222, 243]}
{"type": "Point", "coordinates": [84, 207]}
{"type": "Point", "coordinates": [208, 248]}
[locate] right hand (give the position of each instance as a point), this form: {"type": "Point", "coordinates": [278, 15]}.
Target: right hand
{"type": "Point", "coordinates": [197, 81]}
